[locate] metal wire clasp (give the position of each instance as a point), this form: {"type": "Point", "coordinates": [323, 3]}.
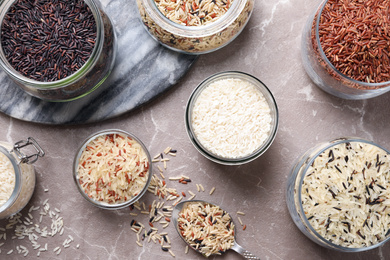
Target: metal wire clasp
{"type": "Point", "coordinates": [29, 159]}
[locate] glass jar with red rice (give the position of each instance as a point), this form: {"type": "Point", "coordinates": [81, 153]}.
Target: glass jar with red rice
{"type": "Point", "coordinates": [344, 48]}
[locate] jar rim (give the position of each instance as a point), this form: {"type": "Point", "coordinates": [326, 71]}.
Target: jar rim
{"type": "Point", "coordinates": [317, 17]}
{"type": "Point", "coordinates": [194, 31]}
{"type": "Point", "coordinates": [87, 66]}
{"type": "Point", "coordinates": [321, 148]}
{"type": "Point", "coordinates": [263, 89]}
{"type": "Point", "coordinates": [105, 205]}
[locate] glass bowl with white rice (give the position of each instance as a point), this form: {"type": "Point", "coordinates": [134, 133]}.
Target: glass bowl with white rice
{"type": "Point", "coordinates": [112, 169]}
{"type": "Point", "coordinates": [231, 118]}
{"type": "Point", "coordinates": [338, 194]}
{"type": "Point", "coordinates": [195, 26]}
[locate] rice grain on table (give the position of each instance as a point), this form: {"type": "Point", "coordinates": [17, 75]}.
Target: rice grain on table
{"type": "Point", "coordinates": [239, 220]}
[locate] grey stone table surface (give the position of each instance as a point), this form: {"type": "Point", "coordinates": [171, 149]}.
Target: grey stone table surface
{"type": "Point", "coordinates": [268, 48]}
{"type": "Point", "coordinates": [143, 70]}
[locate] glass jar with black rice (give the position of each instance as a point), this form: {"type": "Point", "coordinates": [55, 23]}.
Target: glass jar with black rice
{"type": "Point", "coordinates": [56, 50]}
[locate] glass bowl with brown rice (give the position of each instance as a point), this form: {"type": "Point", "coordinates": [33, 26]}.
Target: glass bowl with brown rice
{"type": "Point", "coordinates": [193, 26]}
{"type": "Point", "coordinates": [345, 48]}
{"type": "Point", "coordinates": [338, 194]}
{"type": "Point", "coordinates": [112, 169]}
{"type": "Point", "coordinates": [231, 118]}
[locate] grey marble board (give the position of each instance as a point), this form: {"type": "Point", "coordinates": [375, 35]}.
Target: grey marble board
{"type": "Point", "coordinates": [143, 70]}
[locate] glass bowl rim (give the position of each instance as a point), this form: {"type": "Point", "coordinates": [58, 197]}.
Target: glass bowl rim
{"type": "Point", "coordinates": [263, 89]}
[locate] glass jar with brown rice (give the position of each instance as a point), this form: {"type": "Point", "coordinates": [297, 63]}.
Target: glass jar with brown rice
{"type": "Point", "coordinates": [195, 27]}
{"type": "Point", "coordinates": [345, 48]}
{"type": "Point", "coordinates": [17, 175]}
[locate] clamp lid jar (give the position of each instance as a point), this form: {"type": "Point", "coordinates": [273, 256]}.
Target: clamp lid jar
{"type": "Point", "coordinates": [17, 175]}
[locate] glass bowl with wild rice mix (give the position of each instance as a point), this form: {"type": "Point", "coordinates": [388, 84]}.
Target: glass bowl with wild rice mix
{"type": "Point", "coordinates": [345, 48]}
{"type": "Point", "coordinates": [195, 26]}
{"type": "Point", "coordinates": [338, 194]}
{"type": "Point", "coordinates": [231, 118]}
{"type": "Point", "coordinates": [112, 169]}
{"type": "Point", "coordinates": [56, 50]}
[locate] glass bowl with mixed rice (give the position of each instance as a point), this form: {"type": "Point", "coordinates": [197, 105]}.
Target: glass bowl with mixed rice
{"type": "Point", "coordinates": [195, 26]}
{"type": "Point", "coordinates": [338, 194]}
{"type": "Point", "coordinates": [345, 48]}
{"type": "Point", "coordinates": [231, 118]}
{"type": "Point", "coordinates": [112, 169]}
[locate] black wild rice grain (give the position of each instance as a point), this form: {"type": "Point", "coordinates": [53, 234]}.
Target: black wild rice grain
{"type": "Point", "coordinates": [48, 40]}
